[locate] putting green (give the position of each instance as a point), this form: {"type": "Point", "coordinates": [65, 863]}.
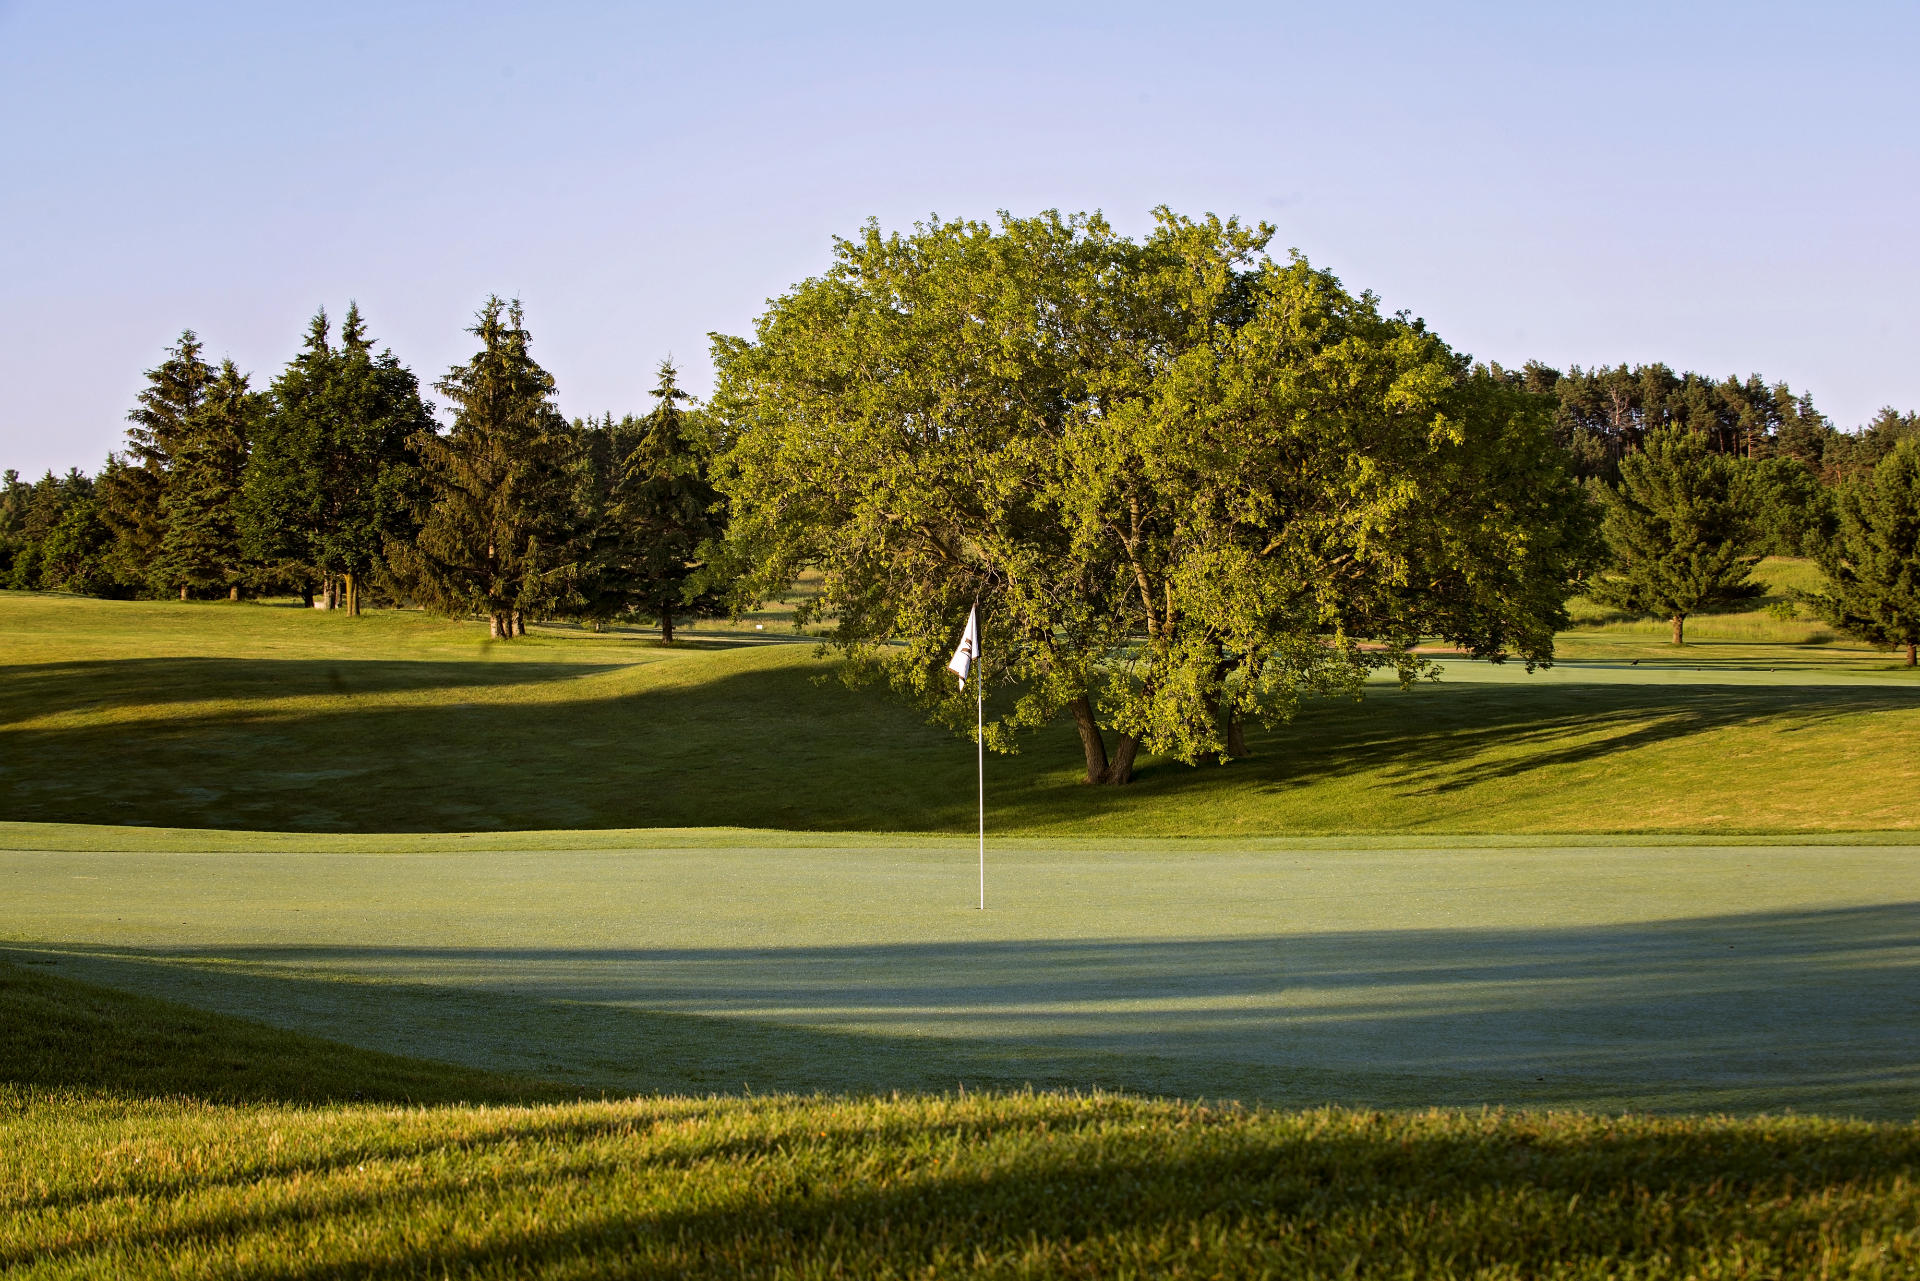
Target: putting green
{"type": "Point", "coordinates": [1673, 978]}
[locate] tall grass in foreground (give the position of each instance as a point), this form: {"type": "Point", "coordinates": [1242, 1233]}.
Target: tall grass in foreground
{"type": "Point", "coordinates": [140, 1175]}
{"type": "Point", "coordinates": [1022, 1185]}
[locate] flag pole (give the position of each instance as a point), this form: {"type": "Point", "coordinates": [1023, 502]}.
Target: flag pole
{"type": "Point", "coordinates": [980, 760]}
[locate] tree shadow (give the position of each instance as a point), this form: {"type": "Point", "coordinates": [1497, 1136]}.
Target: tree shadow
{"type": "Point", "coordinates": [112, 685]}
{"type": "Point", "coordinates": [761, 745]}
{"type": "Point", "coordinates": [1740, 1012]}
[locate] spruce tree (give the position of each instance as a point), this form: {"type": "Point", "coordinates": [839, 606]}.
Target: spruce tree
{"type": "Point", "coordinates": [498, 537]}
{"type": "Point", "coordinates": [133, 496]}
{"type": "Point", "coordinates": [664, 510]}
{"type": "Point", "coordinates": [1677, 532]}
{"type": "Point", "coordinates": [335, 473]}
{"type": "Point", "coordinates": [1873, 559]}
{"type": "Point", "coordinates": [200, 547]}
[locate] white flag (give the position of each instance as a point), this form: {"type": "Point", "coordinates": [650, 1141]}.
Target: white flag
{"type": "Point", "coordinates": [969, 652]}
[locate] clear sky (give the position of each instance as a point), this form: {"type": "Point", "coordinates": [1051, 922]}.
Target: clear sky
{"type": "Point", "coordinates": [1725, 187]}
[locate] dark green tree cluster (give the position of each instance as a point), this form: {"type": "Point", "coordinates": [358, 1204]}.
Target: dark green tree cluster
{"type": "Point", "coordinates": [337, 482]}
{"type": "Point", "coordinates": [335, 471]}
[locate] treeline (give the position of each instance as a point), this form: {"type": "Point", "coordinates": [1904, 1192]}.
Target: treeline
{"type": "Point", "coordinates": [336, 483]}
{"type": "Point", "coordinates": [1187, 484]}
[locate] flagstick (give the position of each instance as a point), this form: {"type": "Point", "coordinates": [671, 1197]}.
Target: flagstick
{"type": "Point", "coordinates": [980, 752]}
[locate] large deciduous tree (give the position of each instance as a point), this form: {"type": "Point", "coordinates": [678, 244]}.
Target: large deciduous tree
{"type": "Point", "coordinates": [1678, 532]}
{"type": "Point", "coordinates": [498, 533]}
{"type": "Point", "coordinates": [1872, 560]}
{"type": "Point", "coordinates": [1189, 484]}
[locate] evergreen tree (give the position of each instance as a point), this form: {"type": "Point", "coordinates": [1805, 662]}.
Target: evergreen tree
{"type": "Point", "coordinates": [1677, 532]}
{"type": "Point", "coordinates": [335, 473]}
{"type": "Point", "coordinates": [663, 511]}
{"type": "Point", "coordinates": [498, 535]}
{"type": "Point", "coordinates": [604, 587]}
{"type": "Point", "coordinates": [133, 496]}
{"type": "Point", "coordinates": [1873, 559]}
{"type": "Point", "coordinates": [200, 545]}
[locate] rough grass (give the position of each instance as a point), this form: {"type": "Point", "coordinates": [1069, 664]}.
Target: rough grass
{"type": "Point", "coordinates": [256, 717]}
{"type": "Point", "coordinates": [142, 1176]}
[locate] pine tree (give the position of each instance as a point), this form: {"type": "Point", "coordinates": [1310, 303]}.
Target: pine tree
{"type": "Point", "coordinates": [605, 585]}
{"type": "Point", "coordinates": [1873, 559]}
{"type": "Point", "coordinates": [335, 474]}
{"type": "Point", "coordinates": [133, 496]}
{"type": "Point", "coordinates": [1677, 532]}
{"type": "Point", "coordinates": [664, 510]}
{"type": "Point", "coordinates": [200, 546]}
{"type": "Point", "coordinates": [498, 536]}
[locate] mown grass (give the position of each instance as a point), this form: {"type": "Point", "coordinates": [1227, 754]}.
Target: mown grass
{"type": "Point", "coordinates": [264, 718]}
{"type": "Point", "coordinates": [141, 1175]}
{"type": "Point", "coordinates": [1697, 979]}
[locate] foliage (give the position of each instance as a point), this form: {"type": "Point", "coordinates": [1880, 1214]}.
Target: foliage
{"type": "Point", "coordinates": [132, 495]}
{"type": "Point", "coordinates": [1188, 484]}
{"type": "Point", "coordinates": [498, 533]}
{"type": "Point", "coordinates": [200, 547]}
{"type": "Point", "coordinates": [334, 476]}
{"type": "Point", "coordinates": [1604, 414]}
{"type": "Point", "coordinates": [1872, 559]}
{"type": "Point", "coordinates": [656, 512]}
{"type": "Point", "coordinates": [1677, 532]}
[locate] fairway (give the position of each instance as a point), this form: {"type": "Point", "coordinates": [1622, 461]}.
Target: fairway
{"type": "Point", "coordinates": [272, 719]}
{"type": "Point", "coordinates": [1693, 978]}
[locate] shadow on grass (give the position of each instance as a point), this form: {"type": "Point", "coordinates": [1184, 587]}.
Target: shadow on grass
{"type": "Point", "coordinates": [108, 686]}
{"type": "Point", "coordinates": [58, 1034]}
{"type": "Point", "coordinates": [761, 745]}
{"type": "Point", "coordinates": [1806, 1010]}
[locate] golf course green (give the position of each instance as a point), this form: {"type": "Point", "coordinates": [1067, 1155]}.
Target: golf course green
{"type": "Point", "coordinates": [338, 946]}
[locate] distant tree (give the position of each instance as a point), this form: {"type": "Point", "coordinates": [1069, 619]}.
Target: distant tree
{"type": "Point", "coordinates": [335, 473]}
{"type": "Point", "coordinates": [1677, 532]}
{"type": "Point", "coordinates": [498, 535]}
{"type": "Point", "coordinates": [662, 512]}
{"type": "Point", "coordinates": [1787, 506]}
{"type": "Point", "coordinates": [200, 544]}
{"type": "Point", "coordinates": [604, 587]}
{"type": "Point", "coordinates": [1872, 560]}
{"type": "Point", "coordinates": [133, 496]}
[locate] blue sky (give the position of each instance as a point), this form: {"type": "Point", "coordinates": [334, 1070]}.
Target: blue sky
{"type": "Point", "coordinates": [1730, 188]}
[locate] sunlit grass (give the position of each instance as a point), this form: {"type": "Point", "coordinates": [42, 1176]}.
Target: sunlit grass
{"type": "Point", "coordinates": [140, 1176]}
{"type": "Point", "coordinates": [267, 718]}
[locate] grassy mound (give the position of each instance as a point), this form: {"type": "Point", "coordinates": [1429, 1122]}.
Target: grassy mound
{"type": "Point", "coordinates": [63, 1037]}
{"type": "Point", "coordinates": [141, 1177]}
{"type": "Point", "coordinates": [268, 718]}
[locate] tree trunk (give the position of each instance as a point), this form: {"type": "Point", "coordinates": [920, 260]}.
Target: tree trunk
{"type": "Point", "coordinates": [519, 623]}
{"type": "Point", "coordinates": [183, 593]}
{"type": "Point", "coordinates": [1679, 629]}
{"type": "Point", "coordinates": [1236, 736]}
{"type": "Point", "coordinates": [306, 595]}
{"type": "Point", "coordinates": [1120, 769]}
{"type": "Point", "coordinates": [351, 591]}
{"type": "Point", "coordinates": [1090, 741]}
{"type": "Point", "coordinates": [666, 629]}
{"type": "Point", "coordinates": [1910, 649]}
{"type": "Point", "coordinates": [329, 594]}
{"type": "Point", "coordinates": [493, 627]}
{"type": "Point", "coordinates": [233, 593]}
